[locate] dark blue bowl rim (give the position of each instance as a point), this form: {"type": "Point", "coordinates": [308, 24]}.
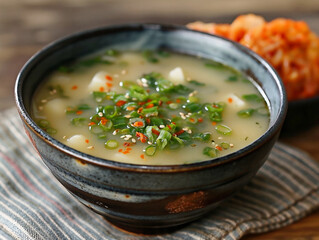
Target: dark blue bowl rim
{"type": "Point", "coordinates": [60, 43]}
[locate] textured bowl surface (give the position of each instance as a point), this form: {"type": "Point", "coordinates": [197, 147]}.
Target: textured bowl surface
{"type": "Point", "coordinates": [147, 198]}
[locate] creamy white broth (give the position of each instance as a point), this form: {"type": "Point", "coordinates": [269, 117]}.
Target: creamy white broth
{"type": "Point", "coordinates": [75, 88]}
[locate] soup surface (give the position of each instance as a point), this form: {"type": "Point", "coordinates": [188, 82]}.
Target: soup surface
{"type": "Point", "coordinates": [150, 107]}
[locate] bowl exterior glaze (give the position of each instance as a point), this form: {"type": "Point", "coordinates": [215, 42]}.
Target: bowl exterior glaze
{"type": "Point", "coordinates": [141, 198]}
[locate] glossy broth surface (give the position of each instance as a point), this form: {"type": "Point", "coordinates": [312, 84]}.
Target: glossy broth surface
{"type": "Point", "coordinates": [152, 108]}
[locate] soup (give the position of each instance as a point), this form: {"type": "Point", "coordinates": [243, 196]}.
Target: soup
{"type": "Point", "coordinates": [150, 107]}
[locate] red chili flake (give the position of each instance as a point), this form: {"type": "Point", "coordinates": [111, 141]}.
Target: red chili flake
{"type": "Point", "coordinates": [214, 123]}
{"type": "Point", "coordinates": [91, 123]}
{"type": "Point", "coordinates": [79, 112]}
{"type": "Point", "coordinates": [109, 84]}
{"type": "Point", "coordinates": [87, 140]}
{"type": "Point", "coordinates": [200, 120]}
{"type": "Point", "coordinates": [126, 144]}
{"type": "Point", "coordinates": [139, 110]}
{"type": "Point", "coordinates": [178, 100]}
{"type": "Point", "coordinates": [169, 102]}
{"type": "Point", "coordinates": [160, 103]}
{"type": "Point", "coordinates": [192, 120]}
{"type": "Point", "coordinates": [148, 100]}
{"type": "Point", "coordinates": [141, 103]}
{"type": "Point", "coordinates": [148, 121]}
{"type": "Point", "coordinates": [103, 120]}
{"type": "Point", "coordinates": [169, 126]}
{"type": "Point", "coordinates": [219, 148]}
{"type": "Point", "coordinates": [142, 156]}
{"type": "Point", "coordinates": [147, 90]}
{"type": "Point", "coordinates": [179, 132]}
{"type": "Point", "coordinates": [101, 89]}
{"type": "Point", "coordinates": [215, 106]}
{"type": "Point", "coordinates": [155, 132]}
{"type": "Point", "coordinates": [130, 108]}
{"type": "Point", "coordinates": [150, 105]}
{"type": "Point", "coordinates": [120, 103]}
{"type": "Point", "coordinates": [120, 150]}
{"type": "Point", "coordinates": [138, 124]}
{"type": "Point", "coordinates": [230, 100]}
{"type": "Point", "coordinates": [142, 137]}
{"type": "Point", "coordinates": [108, 78]}
{"type": "Point", "coordinates": [74, 87]}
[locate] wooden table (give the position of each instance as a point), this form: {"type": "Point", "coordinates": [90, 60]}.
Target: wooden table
{"type": "Point", "coordinates": [28, 25]}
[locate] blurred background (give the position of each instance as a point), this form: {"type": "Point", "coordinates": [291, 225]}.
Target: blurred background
{"type": "Point", "coordinates": [28, 25]}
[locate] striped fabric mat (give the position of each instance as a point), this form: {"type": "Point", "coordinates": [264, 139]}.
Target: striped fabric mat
{"type": "Point", "coordinates": [33, 204]}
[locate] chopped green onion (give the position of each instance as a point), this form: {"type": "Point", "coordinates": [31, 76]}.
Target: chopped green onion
{"type": "Point", "coordinates": [149, 56]}
{"type": "Point", "coordinates": [223, 129]}
{"type": "Point", "coordinates": [78, 121]}
{"type": "Point", "coordinates": [110, 111]}
{"type": "Point", "coordinates": [84, 107]}
{"type": "Point", "coordinates": [150, 150]}
{"type": "Point", "coordinates": [245, 113]}
{"type": "Point", "coordinates": [203, 137]}
{"type": "Point", "coordinates": [127, 84]}
{"type": "Point", "coordinates": [163, 139]}
{"type": "Point", "coordinates": [120, 122]}
{"type": "Point", "coordinates": [99, 96]}
{"type": "Point", "coordinates": [215, 117]}
{"type": "Point", "coordinates": [111, 144]}
{"type": "Point", "coordinates": [138, 92]}
{"type": "Point", "coordinates": [51, 130]}
{"type": "Point", "coordinates": [43, 123]}
{"type": "Point", "coordinates": [193, 99]}
{"type": "Point", "coordinates": [148, 112]}
{"type": "Point", "coordinates": [210, 152]}
{"type": "Point", "coordinates": [252, 97]}
{"type": "Point", "coordinates": [232, 78]}
{"type": "Point", "coordinates": [192, 107]}
{"type": "Point", "coordinates": [107, 126]}
{"type": "Point", "coordinates": [225, 145]}
{"type": "Point", "coordinates": [196, 83]}
{"type": "Point", "coordinates": [96, 129]}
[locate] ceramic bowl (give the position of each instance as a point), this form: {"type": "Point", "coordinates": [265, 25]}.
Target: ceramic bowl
{"type": "Point", "coordinates": [147, 198]}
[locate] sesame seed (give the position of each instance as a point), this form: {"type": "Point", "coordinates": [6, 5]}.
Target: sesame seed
{"type": "Point", "coordinates": [98, 99]}
{"type": "Point", "coordinates": [124, 71]}
{"type": "Point", "coordinates": [116, 75]}
{"type": "Point", "coordinates": [149, 142]}
{"type": "Point", "coordinates": [127, 116]}
{"type": "Point", "coordinates": [123, 136]}
{"type": "Point", "coordinates": [90, 147]}
{"type": "Point", "coordinates": [44, 100]}
{"type": "Point", "coordinates": [161, 126]}
{"type": "Point", "coordinates": [133, 140]}
{"type": "Point", "coordinates": [220, 138]}
{"type": "Point", "coordinates": [64, 137]}
{"type": "Point", "coordinates": [115, 132]}
{"type": "Point", "coordinates": [40, 108]}
{"type": "Point", "coordinates": [100, 114]}
{"type": "Point", "coordinates": [231, 145]}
